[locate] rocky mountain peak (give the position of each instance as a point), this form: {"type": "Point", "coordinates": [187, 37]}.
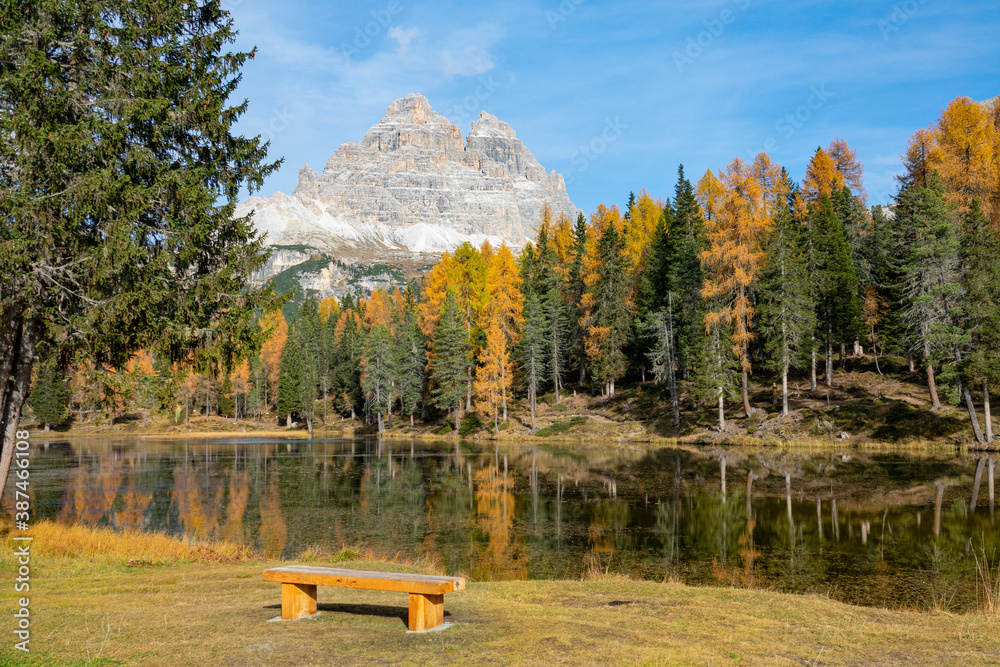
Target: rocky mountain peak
{"type": "Point", "coordinates": [489, 125]}
{"type": "Point", "coordinates": [413, 182]}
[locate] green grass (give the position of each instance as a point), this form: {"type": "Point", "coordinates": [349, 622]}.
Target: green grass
{"type": "Point", "coordinates": [560, 427]}
{"type": "Point", "coordinates": [210, 614]}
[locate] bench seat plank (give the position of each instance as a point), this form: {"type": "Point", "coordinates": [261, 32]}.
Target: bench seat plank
{"type": "Point", "coordinates": [381, 581]}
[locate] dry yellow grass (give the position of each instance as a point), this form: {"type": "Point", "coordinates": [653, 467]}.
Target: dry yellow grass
{"type": "Point", "coordinates": [188, 606]}
{"type": "Point", "coordinates": [56, 540]}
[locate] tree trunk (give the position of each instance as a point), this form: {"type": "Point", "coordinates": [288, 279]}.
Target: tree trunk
{"type": "Point", "coordinates": [784, 391]}
{"type": "Point", "coordinates": [976, 481]}
{"type": "Point", "coordinates": [309, 426]}
{"type": "Point", "coordinates": [722, 412]}
{"type": "Point", "coordinates": [468, 389]}
{"type": "Point", "coordinates": [674, 401]}
{"type": "Point", "coordinates": [964, 389]}
{"type": "Point", "coordinates": [19, 339]}
{"type": "Point", "coordinates": [910, 360]}
{"type": "Point", "coordinates": [987, 413]}
{"type": "Point", "coordinates": [746, 394]}
{"type": "Point", "coordinates": [381, 423]}
{"type": "Point", "coordinates": [829, 359]}
{"type": "Point", "coordinates": [812, 379]}
{"type": "Point", "coordinates": [931, 385]}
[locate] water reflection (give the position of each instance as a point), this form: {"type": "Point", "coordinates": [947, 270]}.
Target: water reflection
{"type": "Point", "coordinates": [879, 529]}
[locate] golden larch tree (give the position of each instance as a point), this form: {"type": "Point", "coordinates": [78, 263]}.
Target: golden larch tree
{"type": "Point", "coordinates": [966, 154]}
{"type": "Point", "coordinates": [735, 254]}
{"type": "Point", "coordinates": [504, 315]}
{"type": "Point", "coordinates": [852, 169]}
{"type": "Point", "coordinates": [435, 287]}
{"type": "Point", "coordinates": [494, 375]}
{"type": "Point", "coordinates": [276, 330]}
{"type": "Point", "coordinates": [643, 216]}
{"type": "Point", "coordinates": [329, 307]}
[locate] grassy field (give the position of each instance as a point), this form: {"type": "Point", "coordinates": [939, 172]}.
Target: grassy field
{"type": "Point", "coordinates": [93, 601]}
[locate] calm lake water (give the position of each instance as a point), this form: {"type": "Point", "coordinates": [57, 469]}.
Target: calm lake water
{"type": "Point", "coordinates": [891, 530]}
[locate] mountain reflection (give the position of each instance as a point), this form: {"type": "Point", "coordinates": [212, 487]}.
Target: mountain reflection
{"type": "Point", "coordinates": [879, 529]}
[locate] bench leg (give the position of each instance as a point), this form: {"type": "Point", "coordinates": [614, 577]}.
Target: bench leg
{"type": "Point", "coordinates": [297, 600]}
{"type": "Point", "coordinates": [426, 611]}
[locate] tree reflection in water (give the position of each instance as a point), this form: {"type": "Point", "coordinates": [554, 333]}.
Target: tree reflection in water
{"type": "Point", "coordinates": [878, 529]}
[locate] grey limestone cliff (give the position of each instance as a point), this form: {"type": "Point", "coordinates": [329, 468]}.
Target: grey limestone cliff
{"type": "Point", "coordinates": [414, 182]}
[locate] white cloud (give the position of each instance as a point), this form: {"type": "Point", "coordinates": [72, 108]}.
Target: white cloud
{"type": "Point", "coordinates": [468, 52]}
{"type": "Point", "coordinates": [404, 36]}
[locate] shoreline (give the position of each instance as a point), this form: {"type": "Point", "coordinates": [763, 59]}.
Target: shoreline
{"type": "Point", "coordinates": [603, 619]}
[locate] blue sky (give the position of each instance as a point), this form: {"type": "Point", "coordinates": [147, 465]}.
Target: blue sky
{"type": "Point", "coordinates": [615, 94]}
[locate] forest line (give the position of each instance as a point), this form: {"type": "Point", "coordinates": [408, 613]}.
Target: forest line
{"type": "Point", "coordinates": [743, 273]}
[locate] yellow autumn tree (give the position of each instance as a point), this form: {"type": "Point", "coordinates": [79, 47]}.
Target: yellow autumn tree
{"type": "Point", "coordinates": [432, 293]}
{"type": "Point", "coordinates": [504, 305]}
{"type": "Point", "coordinates": [276, 329]}
{"type": "Point", "coordinates": [643, 215]}
{"type": "Point", "coordinates": [378, 310]}
{"type": "Point", "coordinates": [822, 177]}
{"type": "Point", "coordinates": [966, 154]}
{"type": "Point", "coordinates": [736, 233]}
{"type": "Point", "coordinates": [562, 241]}
{"type": "Point", "coordinates": [493, 375]}
{"type": "Point", "coordinates": [921, 154]}
{"type": "Point", "coordinates": [329, 307]}
{"type": "Point", "coordinates": [849, 167]}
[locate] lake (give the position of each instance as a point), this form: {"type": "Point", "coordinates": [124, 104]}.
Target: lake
{"type": "Point", "coordinates": [887, 529]}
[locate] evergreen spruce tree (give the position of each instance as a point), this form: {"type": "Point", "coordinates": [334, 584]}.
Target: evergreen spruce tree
{"type": "Point", "coordinates": [786, 314]}
{"type": "Point", "coordinates": [290, 377]}
{"type": "Point", "coordinates": [532, 350]}
{"type": "Point", "coordinates": [309, 326]}
{"type": "Point", "coordinates": [684, 276]}
{"type": "Point", "coordinates": [888, 245]}
{"type": "Point", "coordinates": [662, 328]}
{"type": "Point", "coordinates": [378, 363]}
{"type": "Point", "coordinates": [612, 322]}
{"type": "Point", "coordinates": [120, 177]}
{"type": "Point", "coordinates": [575, 290]}
{"type": "Point", "coordinates": [346, 372]}
{"type": "Point", "coordinates": [451, 351]}
{"type": "Point", "coordinates": [49, 394]}
{"type": "Point", "coordinates": [838, 308]}
{"type": "Point", "coordinates": [980, 305]}
{"type": "Point", "coordinates": [547, 288]}
{"type": "Point", "coordinates": [226, 403]}
{"type": "Point", "coordinates": [931, 278]}
{"type": "Point", "coordinates": [715, 371]}
{"type": "Point", "coordinates": [411, 359]}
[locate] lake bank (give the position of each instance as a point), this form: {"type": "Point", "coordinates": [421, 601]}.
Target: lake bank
{"type": "Point", "coordinates": [863, 410]}
{"type": "Point", "coordinates": [107, 610]}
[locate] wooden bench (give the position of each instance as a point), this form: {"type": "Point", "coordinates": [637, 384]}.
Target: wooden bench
{"type": "Point", "coordinates": [299, 582]}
